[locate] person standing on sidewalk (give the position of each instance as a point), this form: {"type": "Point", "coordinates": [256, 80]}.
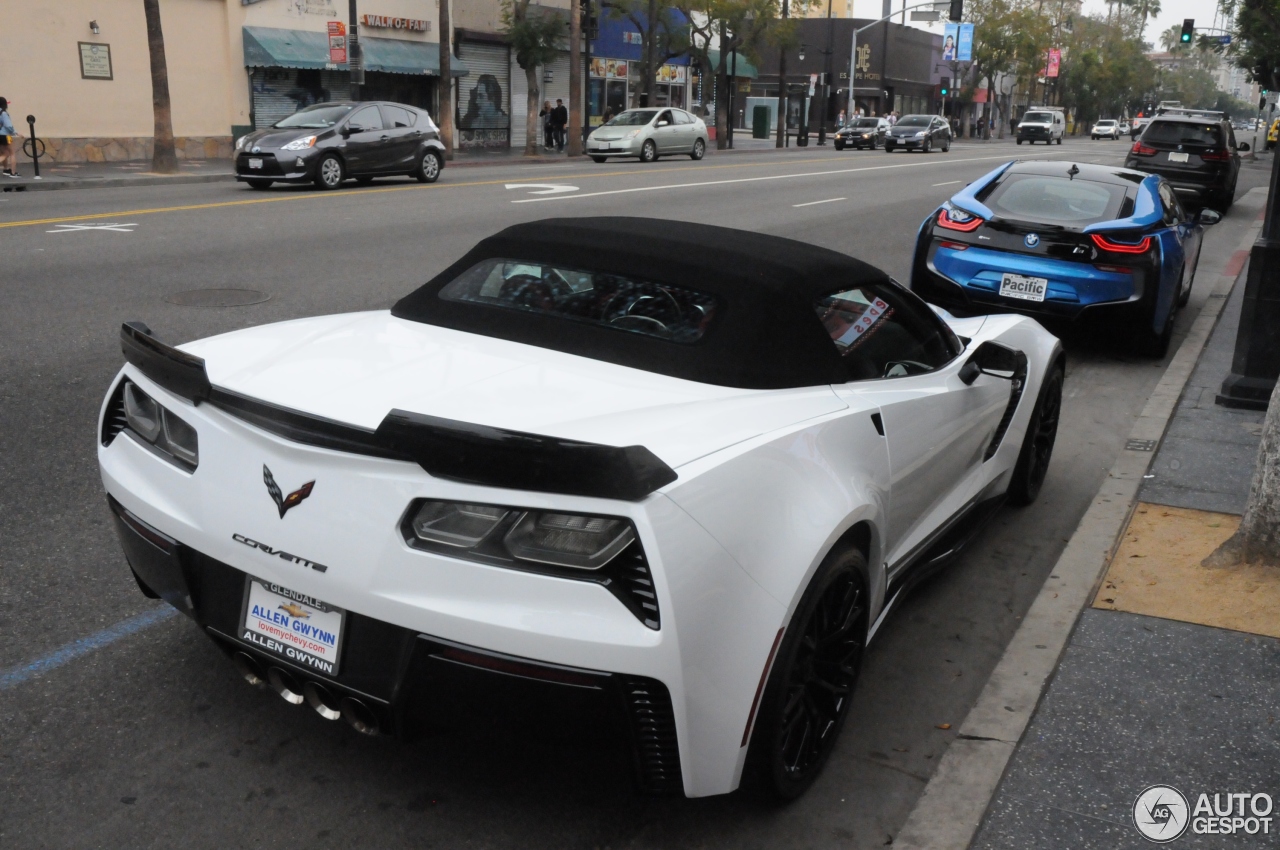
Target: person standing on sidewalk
{"type": "Point", "coordinates": [548, 137]}
{"type": "Point", "coordinates": [8, 141]}
{"type": "Point", "coordinates": [559, 120]}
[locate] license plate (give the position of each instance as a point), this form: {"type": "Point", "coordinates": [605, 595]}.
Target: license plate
{"type": "Point", "coordinates": [1177, 157]}
{"type": "Point", "coordinates": [255, 163]}
{"type": "Point", "coordinates": [1025, 288]}
{"type": "Point", "coordinates": [292, 625]}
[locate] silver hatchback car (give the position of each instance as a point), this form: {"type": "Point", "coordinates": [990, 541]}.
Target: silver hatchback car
{"type": "Point", "coordinates": [649, 133]}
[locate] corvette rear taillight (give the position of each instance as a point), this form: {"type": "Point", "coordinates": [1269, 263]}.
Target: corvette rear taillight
{"type": "Point", "coordinates": [1121, 247]}
{"type": "Point", "coordinates": [1216, 156]}
{"type": "Point", "coordinates": [1139, 149]}
{"type": "Point", "coordinates": [955, 219]}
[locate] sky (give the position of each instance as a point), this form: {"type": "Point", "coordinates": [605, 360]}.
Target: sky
{"type": "Point", "coordinates": [1172, 12]}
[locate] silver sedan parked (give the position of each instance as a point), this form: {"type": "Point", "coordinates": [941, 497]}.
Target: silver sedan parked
{"type": "Point", "coordinates": [648, 134]}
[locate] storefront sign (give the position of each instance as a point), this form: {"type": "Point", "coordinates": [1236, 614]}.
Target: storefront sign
{"type": "Point", "coordinates": [390, 23]}
{"type": "Point", "coordinates": [864, 63]}
{"type": "Point", "coordinates": [337, 43]}
{"type": "Point", "coordinates": [95, 61]}
{"type": "Point", "coordinates": [613, 69]}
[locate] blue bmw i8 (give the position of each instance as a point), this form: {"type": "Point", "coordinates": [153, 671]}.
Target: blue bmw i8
{"type": "Point", "coordinates": [1064, 240]}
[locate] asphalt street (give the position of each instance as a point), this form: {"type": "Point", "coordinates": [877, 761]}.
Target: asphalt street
{"type": "Point", "coordinates": [146, 737]}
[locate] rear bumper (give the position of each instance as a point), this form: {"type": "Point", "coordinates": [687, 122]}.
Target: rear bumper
{"type": "Point", "coordinates": [394, 674]}
{"type": "Point", "coordinates": [968, 282]}
{"type": "Point", "coordinates": [1187, 184]}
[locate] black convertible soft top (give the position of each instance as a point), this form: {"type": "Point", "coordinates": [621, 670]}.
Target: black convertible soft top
{"type": "Point", "coordinates": [767, 337]}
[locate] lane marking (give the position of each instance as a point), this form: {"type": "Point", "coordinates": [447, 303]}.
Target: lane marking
{"type": "Point", "coordinates": [914, 163]}
{"type": "Point", "coordinates": [84, 646]}
{"type": "Point", "coordinates": [543, 188]}
{"type": "Point", "coordinates": [73, 228]}
{"type": "Point", "coordinates": [360, 193]}
{"type": "Point", "coordinates": [949, 183]}
{"type": "Point", "coordinates": [827, 201]}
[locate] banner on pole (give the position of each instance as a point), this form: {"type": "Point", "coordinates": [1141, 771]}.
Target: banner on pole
{"type": "Point", "coordinates": [957, 43]}
{"type": "Point", "coordinates": [1055, 60]}
{"type": "Point", "coordinates": [337, 43]}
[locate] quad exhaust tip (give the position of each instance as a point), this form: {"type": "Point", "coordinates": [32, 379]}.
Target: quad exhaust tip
{"type": "Point", "coordinates": [361, 718]}
{"type": "Point", "coordinates": [322, 700]}
{"type": "Point", "coordinates": [283, 682]}
{"type": "Point", "coordinates": [250, 669]}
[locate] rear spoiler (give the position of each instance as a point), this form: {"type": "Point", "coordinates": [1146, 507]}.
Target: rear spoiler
{"type": "Point", "coordinates": [461, 451]}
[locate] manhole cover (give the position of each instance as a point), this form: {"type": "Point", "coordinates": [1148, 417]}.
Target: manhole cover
{"type": "Point", "coordinates": [217, 297]}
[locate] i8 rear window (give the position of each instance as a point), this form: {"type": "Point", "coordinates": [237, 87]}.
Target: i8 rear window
{"type": "Point", "coordinates": [1055, 200]}
{"type": "Point", "coordinates": [1183, 133]}
{"type": "Point", "coordinates": [657, 310]}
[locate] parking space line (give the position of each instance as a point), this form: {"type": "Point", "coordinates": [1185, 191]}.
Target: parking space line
{"type": "Point", "coordinates": [827, 201]}
{"type": "Point", "coordinates": [84, 646]}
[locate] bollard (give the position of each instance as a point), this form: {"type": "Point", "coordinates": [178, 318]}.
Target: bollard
{"type": "Point", "coordinates": [33, 147]}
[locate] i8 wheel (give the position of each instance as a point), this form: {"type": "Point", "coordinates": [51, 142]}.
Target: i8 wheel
{"type": "Point", "coordinates": [329, 172]}
{"type": "Point", "coordinates": [1037, 446]}
{"type": "Point", "coordinates": [429, 168]}
{"type": "Point", "coordinates": [810, 688]}
{"type": "Point", "coordinates": [649, 152]}
{"type": "Point", "coordinates": [699, 150]}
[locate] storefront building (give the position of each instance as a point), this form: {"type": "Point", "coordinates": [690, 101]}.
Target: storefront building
{"type": "Point", "coordinates": [614, 79]}
{"type": "Point", "coordinates": [82, 67]}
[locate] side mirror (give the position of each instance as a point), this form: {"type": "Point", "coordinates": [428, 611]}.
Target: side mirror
{"type": "Point", "coordinates": [346, 131]}
{"type": "Point", "coordinates": [1207, 217]}
{"type": "Point", "coordinates": [1243, 147]}
{"type": "Point", "coordinates": [663, 123]}
{"type": "Point", "coordinates": [994, 359]}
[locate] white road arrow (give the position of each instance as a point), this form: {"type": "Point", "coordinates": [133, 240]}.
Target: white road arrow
{"type": "Point", "coordinates": [543, 188]}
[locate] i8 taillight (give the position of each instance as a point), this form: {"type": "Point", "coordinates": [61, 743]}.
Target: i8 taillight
{"type": "Point", "coordinates": [1106, 244]}
{"type": "Point", "coordinates": [957, 219]}
{"type": "Point", "coordinates": [1139, 149]}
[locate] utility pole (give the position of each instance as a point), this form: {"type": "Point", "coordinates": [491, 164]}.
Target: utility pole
{"type": "Point", "coordinates": [650, 54]}
{"type": "Point", "coordinates": [826, 78]}
{"type": "Point", "coordinates": [355, 62]}
{"type": "Point", "coordinates": [446, 79]}
{"type": "Point", "coordinates": [782, 84]}
{"type": "Point", "coordinates": [575, 79]}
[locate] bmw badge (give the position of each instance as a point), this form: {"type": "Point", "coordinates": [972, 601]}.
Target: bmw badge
{"type": "Point", "coordinates": [1031, 240]}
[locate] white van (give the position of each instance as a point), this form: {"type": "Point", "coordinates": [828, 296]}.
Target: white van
{"type": "Point", "coordinates": [1042, 124]}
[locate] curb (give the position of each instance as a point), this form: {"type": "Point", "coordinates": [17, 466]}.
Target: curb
{"type": "Point", "coordinates": [954, 802]}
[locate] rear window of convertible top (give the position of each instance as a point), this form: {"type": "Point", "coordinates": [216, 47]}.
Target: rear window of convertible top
{"type": "Point", "coordinates": [624, 304]}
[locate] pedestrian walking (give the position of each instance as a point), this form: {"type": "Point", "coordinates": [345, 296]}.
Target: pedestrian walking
{"type": "Point", "coordinates": [8, 141]}
{"type": "Point", "coordinates": [545, 117]}
{"type": "Point", "coordinates": [840, 119]}
{"type": "Point", "coordinates": [559, 121]}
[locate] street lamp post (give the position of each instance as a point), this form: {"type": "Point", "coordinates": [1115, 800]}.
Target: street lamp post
{"type": "Point", "coordinates": [802, 133]}
{"type": "Point", "coordinates": [826, 80]}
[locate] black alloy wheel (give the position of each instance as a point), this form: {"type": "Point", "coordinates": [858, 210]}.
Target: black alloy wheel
{"type": "Point", "coordinates": [329, 172]}
{"type": "Point", "coordinates": [649, 152]}
{"type": "Point", "coordinates": [1037, 446]}
{"type": "Point", "coordinates": [814, 674]}
{"type": "Point", "coordinates": [429, 168]}
{"type": "Point", "coordinates": [699, 150]}
{"type": "Point", "coordinates": [259, 184]}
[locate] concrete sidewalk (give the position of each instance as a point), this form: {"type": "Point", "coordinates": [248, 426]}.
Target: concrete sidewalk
{"type": "Point", "coordinates": [1172, 675]}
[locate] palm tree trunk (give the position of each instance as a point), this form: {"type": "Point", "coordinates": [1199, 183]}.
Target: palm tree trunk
{"type": "Point", "coordinates": [164, 158]}
{"type": "Point", "coordinates": [446, 79]}
{"type": "Point", "coordinates": [533, 128]}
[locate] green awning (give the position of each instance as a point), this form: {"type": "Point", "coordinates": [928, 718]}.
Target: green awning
{"type": "Point", "coordinates": [735, 62]}
{"type": "Point", "coordinates": [267, 47]}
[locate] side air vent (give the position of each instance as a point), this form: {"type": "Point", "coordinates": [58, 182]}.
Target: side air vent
{"type": "Point", "coordinates": [653, 730]}
{"type": "Point", "coordinates": [114, 422]}
{"type": "Point", "coordinates": [631, 581]}
{"type": "Point", "coordinates": [1018, 383]}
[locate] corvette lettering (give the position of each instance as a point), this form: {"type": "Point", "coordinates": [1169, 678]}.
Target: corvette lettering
{"type": "Point", "coordinates": [279, 553]}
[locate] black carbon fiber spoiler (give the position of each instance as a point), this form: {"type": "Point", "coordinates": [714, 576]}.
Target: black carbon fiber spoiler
{"type": "Point", "coordinates": [178, 372]}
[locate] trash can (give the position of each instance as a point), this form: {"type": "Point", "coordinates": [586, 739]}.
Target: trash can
{"type": "Point", "coordinates": [760, 122]}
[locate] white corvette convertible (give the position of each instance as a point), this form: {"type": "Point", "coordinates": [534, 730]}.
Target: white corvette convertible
{"type": "Point", "coordinates": [690, 469]}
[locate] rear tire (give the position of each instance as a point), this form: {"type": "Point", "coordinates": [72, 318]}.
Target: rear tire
{"type": "Point", "coordinates": [1185, 295]}
{"type": "Point", "coordinates": [1059, 140]}
{"type": "Point", "coordinates": [428, 167]}
{"type": "Point", "coordinates": [364, 181]}
{"type": "Point", "coordinates": [1037, 445]}
{"type": "Point", "coordinates": [1156, 345]}
{"type": "Point", "coordinates": [259, 184]}
{"type": "Point", "coordinates": [1019, 141]}
{"type": "Point", "coordinates": [807, 698]}
{"type": "Point", "coordinates": [888, 148]}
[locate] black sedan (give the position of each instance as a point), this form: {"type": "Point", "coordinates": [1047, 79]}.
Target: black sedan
{"type": "Point", "coordinates": [862, 133]}
{"type": "Point", "coordinates": [330, 142]}
{"type": "Point", "coordinates": [919, 132]}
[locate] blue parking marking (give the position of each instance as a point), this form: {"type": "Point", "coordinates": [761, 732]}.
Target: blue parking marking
{"type": "Point", "coordinates": [77, 648]}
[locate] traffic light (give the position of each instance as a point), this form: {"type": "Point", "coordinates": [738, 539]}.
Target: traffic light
{"type": "Point", "coordinates": [1188, 30]}
{"type": "Point", "coordinates": [946, 86]}
{"type": "Point", "coordinates": [957, 10]}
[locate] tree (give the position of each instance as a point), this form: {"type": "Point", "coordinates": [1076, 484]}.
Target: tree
{"type": "Point", "coordinates": [1256, 45]}
{"type": "Point", "coordinates": [576, 12]}
{"type": "Point", "coordinates": [1001, 29]}
{"type": "Point", "coordinates": [738, 26]}
{"type": "Point", "coordinates": [535, 34]}
{"type": "Point", "coordinates": [1171, 41]}
{"type": "Point", "coordinates": [664, 35]}
{"type": "Point", "coordinates": [164, 158]}
{"type": "Point", "coordinates": [1257, 540]}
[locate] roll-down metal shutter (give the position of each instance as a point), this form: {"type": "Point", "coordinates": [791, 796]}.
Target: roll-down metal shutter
{"type": "Point", "coordinates": [277, 93]}
{"type": "Point", "coordinates": [484, 96]}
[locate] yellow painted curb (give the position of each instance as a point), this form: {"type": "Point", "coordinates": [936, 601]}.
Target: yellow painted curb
{"type": "Point", "coordinates": [1156, 571]}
